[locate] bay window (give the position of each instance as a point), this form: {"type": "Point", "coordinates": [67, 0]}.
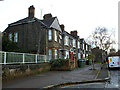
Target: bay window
{"type": "Point", "coordinates": [79, 56]}
{"type": "Point", "coordinates": [66, 54]}
{"type": "Point", "coordinates": [60, 54]}
{"type": "Point", "coordinates": [50, 54]}
{"type": "Point", "coordinates": [55, 53]}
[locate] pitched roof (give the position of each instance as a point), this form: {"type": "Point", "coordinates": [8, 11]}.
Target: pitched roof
{"type": "Point", "coordinates": [26, 20]}
{"type": "Point", "coordinates": [68, 34]}
{"type": "Point", "coordinates": [82, 40]}
{"type": "Point", "coordinates": [50, 22]}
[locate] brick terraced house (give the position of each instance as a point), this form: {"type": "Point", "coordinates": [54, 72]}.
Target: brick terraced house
{"type": "Point", "coordinates": [46, 37]}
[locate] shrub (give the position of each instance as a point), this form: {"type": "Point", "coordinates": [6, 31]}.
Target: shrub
{"type": "Point", "coordinates": [58, 62]}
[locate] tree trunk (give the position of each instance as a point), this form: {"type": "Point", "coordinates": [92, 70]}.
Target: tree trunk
{"type": "Point", "coordinates": [93, 64]}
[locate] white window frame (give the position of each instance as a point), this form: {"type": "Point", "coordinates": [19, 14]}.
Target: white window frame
{"type": "Point", "coordinates": [86, 55]}
{"type": "Point", "coordinates": [60, 38]}
{"type": "Point", "coordinates": [78, 44]}
{"type": "Point", "coordinates": [66, 40]}
{"type": "Point", "coordinates": [10, 36]}
{"type": "Point", "coordinates": [60, 54]}
{"type": "Point", "coordinates": [50, 54]}
{"type": "Point", "coordinates": [56, 36]}
{"type": "Point", "coordinates": [86, 48]}
{"type": "Point", "coordinates": [16, 37]}
{"type": "Point", "coordinates": [74, 43]}
{"type": "Point", "coordinates": [79, 56]}
{"type": "Point", "coordinates": [83, 55]}
{"type": "Point", "coordinates": [49, 34]}
{"type": "Point", "coordinates": [66, 54]}
{"type": "Point", "coordinates": [83, 45]}
{"type": "Point", "coordinates": [56, 54]}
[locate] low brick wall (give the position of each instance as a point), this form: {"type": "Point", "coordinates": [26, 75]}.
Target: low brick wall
{"type": "Point", "coordinates": [73, 63]}
{"type": "Point", "coordinates": [70, 65]}
{"type": "Point", "coordinates": [11, 72]}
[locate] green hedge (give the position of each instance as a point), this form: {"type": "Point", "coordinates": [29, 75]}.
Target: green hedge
{"type": "Point", "coordinates": [58, 62]}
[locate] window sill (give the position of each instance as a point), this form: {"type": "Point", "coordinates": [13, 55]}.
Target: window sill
{"type": "Point", "coordinates": [56, 41]}
{"type": "Point", "coordinates": [66, 45]}
{"type": "Point", "coordinates": [74, 47]}
{"type": "Point", "coordinates": [49, 40]}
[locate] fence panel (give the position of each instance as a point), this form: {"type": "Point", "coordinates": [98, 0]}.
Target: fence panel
{"type": "Point", "coordinates": [41, 58]}
{"type": "Point", "coordinates": [30, 58]}
{"type": "Point", "coordinates": [13, 57]}
{"type": "Point", "coordinates": [47, 58]}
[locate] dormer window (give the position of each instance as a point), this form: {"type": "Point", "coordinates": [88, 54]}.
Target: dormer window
{"type": "Point", "coordinates": [50, 34]}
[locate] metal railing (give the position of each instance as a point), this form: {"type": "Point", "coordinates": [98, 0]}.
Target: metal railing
{"type": "Point", "coordinates": [14, 58]}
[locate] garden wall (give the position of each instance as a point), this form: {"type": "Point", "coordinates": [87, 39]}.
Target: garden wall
{"type": "Point", "coordinates": [16, 71]}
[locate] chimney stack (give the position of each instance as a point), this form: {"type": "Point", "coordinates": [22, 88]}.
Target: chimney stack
{"type": "Point", "coordinates": [74, 33]}
{"type": "Point", "coordinates": [31, 11]}
{"type": "Point", "coordinates": [62, 27]}
{"type": "Point", "coordinates": [46, 16]}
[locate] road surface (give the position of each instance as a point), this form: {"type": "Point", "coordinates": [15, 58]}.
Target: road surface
{"type": "Point", "coordinates": [114, 82]}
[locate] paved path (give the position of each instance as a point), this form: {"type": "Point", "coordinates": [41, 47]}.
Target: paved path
{"type": "Point", "coordinates": [113, 84]}
{"type": "Point", "coordinates": [54, 77]}
{"type": "Point", "coordinates": [104, 72]}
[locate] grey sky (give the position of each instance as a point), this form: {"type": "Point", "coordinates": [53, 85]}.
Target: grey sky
{"type": "Point", "coordinates": [81, 15]}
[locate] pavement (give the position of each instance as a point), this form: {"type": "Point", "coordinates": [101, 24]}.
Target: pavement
{"type": "Point", "coordinates": [102, 75]}
{"type": "Point", "coordinates": [104, 72]}
{"type": "Point", "coordinates": [55, 78]}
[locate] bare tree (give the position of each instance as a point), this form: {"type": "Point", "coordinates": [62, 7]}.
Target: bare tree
{"type": "Point", "coordinates": [101, 38]}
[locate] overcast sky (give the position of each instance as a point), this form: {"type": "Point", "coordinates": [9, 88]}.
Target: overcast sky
{"type": "Point", "coordinates": [81, 15]}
